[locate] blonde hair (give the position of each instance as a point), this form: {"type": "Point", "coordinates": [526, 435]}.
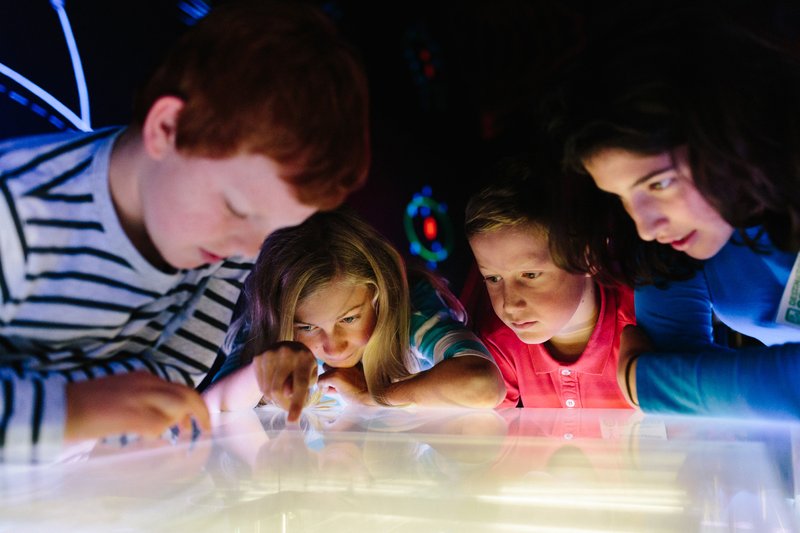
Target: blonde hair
{"type": "Point", "coordinates": [333, 246]}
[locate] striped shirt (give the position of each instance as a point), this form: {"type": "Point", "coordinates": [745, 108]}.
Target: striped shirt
{"type": "Point", "coordinates": [77, 299]}
{"type": "Point", "coordinates": [436, 332]}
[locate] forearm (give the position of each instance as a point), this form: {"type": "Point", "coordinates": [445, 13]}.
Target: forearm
{"type": "Point", "coordinates": [468, 381]}
{"type": "Point", "coordinates": [237, 391]}
{"type": "Point", "coordinates": [761, 382]}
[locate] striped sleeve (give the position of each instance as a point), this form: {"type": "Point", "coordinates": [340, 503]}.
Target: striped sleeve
{"type": "Point", "coordinates": [32, 416]}
{"type": "Point", "coordinates": [436, 334]}
{"type": "Point", "coordinates": [234, 349]}
{"type": "Point", "coordinates": [190, 349]}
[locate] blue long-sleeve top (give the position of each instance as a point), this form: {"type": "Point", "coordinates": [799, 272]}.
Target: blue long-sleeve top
{"type": "Point", "coordinates": [688, 372]}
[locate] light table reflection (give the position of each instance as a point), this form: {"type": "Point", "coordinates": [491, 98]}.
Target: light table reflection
{"type": "Point", "coordinates": [416, 470]}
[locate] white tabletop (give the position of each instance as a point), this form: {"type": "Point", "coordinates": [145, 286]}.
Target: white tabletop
{"type": "Point", "coordinates": [420, 470]}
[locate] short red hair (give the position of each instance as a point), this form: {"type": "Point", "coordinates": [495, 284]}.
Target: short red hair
{"type": "Point", "coordinates": [275, 79]}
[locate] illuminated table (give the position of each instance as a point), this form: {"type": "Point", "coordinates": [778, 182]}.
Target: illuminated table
{"type": "Point", "coordinates": [421, 470]}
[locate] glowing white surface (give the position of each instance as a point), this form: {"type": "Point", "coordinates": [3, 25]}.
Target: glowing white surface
{"type": "Point", "coordinates": [421, 470]}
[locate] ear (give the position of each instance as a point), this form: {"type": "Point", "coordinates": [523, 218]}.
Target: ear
{"type": "Point", "coordinates": [161, 126]}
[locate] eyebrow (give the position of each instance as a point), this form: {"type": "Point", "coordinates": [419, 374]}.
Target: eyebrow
{"type": "Point", "coordinates": [526, 268]}
{"type": "Point", "coordinates": [337, 318]}
{"type": "Point", "coordinates": [651, 174]}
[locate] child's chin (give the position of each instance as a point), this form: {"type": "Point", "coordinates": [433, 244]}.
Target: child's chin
{"type": "Point", "coordinates": [532, 338]}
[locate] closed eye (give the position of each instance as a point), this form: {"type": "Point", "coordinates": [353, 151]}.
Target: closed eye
{"type": "Point", "coordinates": [233, 211]}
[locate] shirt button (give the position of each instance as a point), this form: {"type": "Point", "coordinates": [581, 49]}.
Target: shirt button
{"type": "Point", "coordinates": [566, 371]}
{"type": "Point", "coordinates": [570, 403]}
{"type": "Point", "coordinates": [568, 436]}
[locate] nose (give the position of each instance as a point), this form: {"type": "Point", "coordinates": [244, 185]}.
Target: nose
{"type": "Point", "coordinates": [246, 241]}
{"type": "Point", "coordinates": [650, 220]}
{"type": "Point", "coordinates": [333, 343]}
{"type": "Point", "coordinates": [513, 300]}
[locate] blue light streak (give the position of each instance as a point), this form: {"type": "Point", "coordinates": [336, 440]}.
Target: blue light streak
{"type": "Point", "coordinates": [75, 57]}
{"type": "Point", "coordinates": [45, 97]}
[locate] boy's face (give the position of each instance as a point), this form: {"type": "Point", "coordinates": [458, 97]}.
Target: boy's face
{"type": "Point", "coordinates": [531, 295]}
{"type": "Point", "coordinates": [197, 210]}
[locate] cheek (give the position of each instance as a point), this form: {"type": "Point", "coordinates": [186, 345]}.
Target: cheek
{"type": "Point", "coordinates": [363, 336]}
{"type": "Point", "coordinates": [563, 297]}
{"type": "Point", "coordinates": [310, 342]}
{"type": "Point", "coordinates": [495, 296]}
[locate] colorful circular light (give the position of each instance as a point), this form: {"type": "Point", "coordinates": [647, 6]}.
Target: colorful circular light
{"type": "Point", "coordinates": [428, 228]}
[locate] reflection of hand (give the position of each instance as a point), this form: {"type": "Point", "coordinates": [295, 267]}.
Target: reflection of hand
{"type": "Point", "coordinates": [131, 403]}
{"type": "Point", "coordinates": [349, 382]}
{"type": "Point", "coordinates": [285, 458]}
{"type": "Point", "coordinates": [633, 342]}
{"type": "Point", "coordinates": [285, 372]}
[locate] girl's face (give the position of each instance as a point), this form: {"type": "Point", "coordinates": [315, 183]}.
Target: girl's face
{"type": "Point", "coordinates": [530, 294]}
{"type": "Point", "coordinates": [659, 194]}
{"type": "Point", "coordinates": [336, 322]}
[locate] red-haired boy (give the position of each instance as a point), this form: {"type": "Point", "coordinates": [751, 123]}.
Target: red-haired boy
{"type": "Point", "coordinates": [123, 251]}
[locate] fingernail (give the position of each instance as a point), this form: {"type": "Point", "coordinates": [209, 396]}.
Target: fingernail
{"type": "Point", "coordinates": [171, 434]}
{"type": "Point", "coordinates": [195, 430]}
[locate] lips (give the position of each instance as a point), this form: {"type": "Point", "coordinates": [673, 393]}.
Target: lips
{"type": "Point", "coordinates": [524, 325]}
{"type": "Point", "coordinates": [209, 257]}
{"type": "Point", "coordinates": [682, 244]}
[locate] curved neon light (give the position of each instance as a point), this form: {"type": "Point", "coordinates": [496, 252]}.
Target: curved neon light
{"type": "Point", "coordinates": [75, 57]}
{"type": "Point", "coordinates": [440, 249]}
{"type": "Point", "coordinates": [46, 97]}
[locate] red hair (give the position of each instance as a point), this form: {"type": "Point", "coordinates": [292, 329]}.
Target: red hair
{"type": "Point", "coordinates": [274, 79]}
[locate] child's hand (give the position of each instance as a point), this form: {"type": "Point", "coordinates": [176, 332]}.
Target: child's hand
{"type": "Point", "coordinates": [285, 373]}
{"type": "Point", "coordinates": [349, 382]}
{"type": "Point", "coordinates": [131, 403]}
{"type": "Point", "coordinates": [633, 342]}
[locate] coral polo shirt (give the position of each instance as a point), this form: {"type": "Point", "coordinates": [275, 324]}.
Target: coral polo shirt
{"type": "Point", "coordinates": [534, 379]}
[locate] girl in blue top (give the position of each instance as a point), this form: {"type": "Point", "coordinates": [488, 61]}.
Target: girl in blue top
{"type": "Point", "coordinates": [333, 289]}
{"type": "Point", "coordinates": [693, 125]}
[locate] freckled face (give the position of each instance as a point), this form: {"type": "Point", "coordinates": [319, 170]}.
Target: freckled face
{"type": "Point", "coordinates": [198, 210]}
{"type": "Point", "coordinates": [529, 293]}
{"type": "Point", "coordinates": [659, 194]}
{"type": "Point", "coordinates": [336, 323]}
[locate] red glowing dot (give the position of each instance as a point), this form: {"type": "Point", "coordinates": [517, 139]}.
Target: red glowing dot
{"type": "Point", "coordinates": [430, 71]}
{"type": "Point", "coordinates": [424, 55]}
{"type": "Point", "coordinates": [429, 228]}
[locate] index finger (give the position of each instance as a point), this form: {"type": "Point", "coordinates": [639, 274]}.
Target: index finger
{"type": "Point", "coordinates": [300, 386]}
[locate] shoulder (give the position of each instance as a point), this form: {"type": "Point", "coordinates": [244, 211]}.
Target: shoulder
{"type": "Point", "coordinates": [60, 142]}
{"type": "Point", "coordinates": [621, 298]}
{"type": "Point", "coordinates": [430, 296]}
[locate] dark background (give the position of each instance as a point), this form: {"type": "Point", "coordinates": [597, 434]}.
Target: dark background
{"type": "Point", "coordinates": [454, 85]}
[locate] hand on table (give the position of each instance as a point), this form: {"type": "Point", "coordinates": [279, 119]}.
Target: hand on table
{"type": "Point", "coordinates": [349, 382]}
{"type": "Point", "coordinates": [138, 403]}
{"type": "Point", "coordinates": [286, 372]}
